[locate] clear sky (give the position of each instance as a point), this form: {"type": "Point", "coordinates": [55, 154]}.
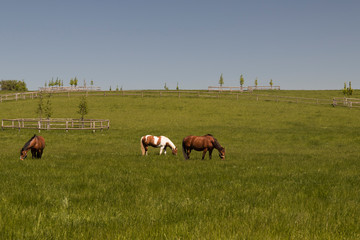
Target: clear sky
{"type": "Point", "coordinates": [142, 44]}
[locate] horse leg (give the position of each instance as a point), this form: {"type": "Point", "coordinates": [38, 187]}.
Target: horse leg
{"type": "Point", "coordinates": [188, 153]}
{"type": "Point", "coordinates": [210, 153]}
{"type": "Point", "coordinates": [146, 150]}
{"type": "Point", "coordinates": [204, 152]}
{"type": "Point", "coordinates": [165, 150]}
{"type": "Point", "coordinates": [40, 153]}
{"type": "Point", "coordinates": [33, 153]}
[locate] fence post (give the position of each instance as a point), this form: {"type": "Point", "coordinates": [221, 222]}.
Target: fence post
{"type": "Point", "coordinates": [67, 125]}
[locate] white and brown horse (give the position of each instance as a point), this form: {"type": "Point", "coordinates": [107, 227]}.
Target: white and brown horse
{"type": "Point", "coordinates": [161, 142]}
{"type": "Point", "coordinates": [36, 144]}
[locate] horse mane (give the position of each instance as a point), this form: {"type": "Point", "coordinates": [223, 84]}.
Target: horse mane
{"type": "Point", "coordinates": [217, 144]}
{"type": "Point", "coordinates": [28, 143]}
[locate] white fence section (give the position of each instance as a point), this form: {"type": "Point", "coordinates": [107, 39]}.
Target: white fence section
{"type": "Point", "coordinates": [56, 124]}
{"type": "Point", "coordinates": [248, 88]}
{"type": "Point", "coordinates": [69, 89]}
{"type": "Point", "coordinates": [348, 102]}
{"type": "Point", "coordinates": [18, 96]}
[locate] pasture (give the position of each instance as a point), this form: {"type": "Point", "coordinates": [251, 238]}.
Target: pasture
{"type": "Point", "coordinates": [292, 171]}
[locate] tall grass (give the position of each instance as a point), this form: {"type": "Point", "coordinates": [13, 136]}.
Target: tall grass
{"type": "Point", "coordinates": [291, 171]}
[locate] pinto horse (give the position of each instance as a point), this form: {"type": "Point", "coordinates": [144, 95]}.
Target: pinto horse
{"type": "Point", "coordinates": [36, 144]}
{"type": "Point", "coordinates": [202, 143]}
{"type": "Point", "coordinates": [161, 142]}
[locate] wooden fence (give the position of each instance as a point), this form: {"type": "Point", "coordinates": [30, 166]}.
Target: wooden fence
{"type": "Point", "coordinates": [18, 96]}
{"type": "Point", "coordinates": [69, 89]}
{"type": "Point", "coordinates": [55, 124]}
{"type": "Point", "coordinates": [337, 101]}
{"type": "Point", "coordinates": [347, 102]}
{"type": "Point", "coordinates": [241, 89]}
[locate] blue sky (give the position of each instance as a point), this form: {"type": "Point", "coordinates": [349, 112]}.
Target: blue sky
{"type": "Point", "coordinates": [144, 44]}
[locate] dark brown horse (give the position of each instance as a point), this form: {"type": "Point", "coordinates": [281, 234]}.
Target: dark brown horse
{"type": "Point", "coordinates": [204, 143]}
{"type": "Point", "coordinates": [36, 144]}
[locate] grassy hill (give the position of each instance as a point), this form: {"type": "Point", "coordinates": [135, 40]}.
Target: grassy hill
{"type": "Point", "coordinates": [291, 171]}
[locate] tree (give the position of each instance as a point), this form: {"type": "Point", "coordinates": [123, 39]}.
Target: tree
{"type": "Point", "coordinates": [13, 85]}
{"type": "Point", "coordinates": [47, 108]}
{"type": "Point", "coordinates": [165, 87]}
{"type": "Point", "coordinates": [75, 82]}
{"type": "Point", "coordinates": [242, 81]}
{"type": "Point", "coordinates": [71, 82]}
{"type": "Point", "coordinates": [177, 86]}
{"type": "Point", "coordinates": [348, 91]}
{"type": "Point", "coordinates": [271, 83]}
{"type": "Point", "coordinates": [256, 83]}
{"type": "Point", "coordinates": [221, 80]}
{"type": "Point", "coordinates": [40, 106]}
{"type": "Point", "coordinates": [83, 109]}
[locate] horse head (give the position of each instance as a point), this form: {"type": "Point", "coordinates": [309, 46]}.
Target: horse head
{"type": "Point", "coordinates": [23, 154]}
{"type": "Point", "coordinates": [174, 151]}
{"type": "Point", "coordinates": [222, 153]}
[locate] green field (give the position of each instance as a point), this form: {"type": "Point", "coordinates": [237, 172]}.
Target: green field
{"type": "Point", "coordinates": [292, 171]}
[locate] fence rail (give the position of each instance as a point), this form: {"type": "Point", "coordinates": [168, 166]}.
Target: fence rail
{"type": "Point", "coordinates": [241, 89]}
{"type": "Point", "coordinates": [348, 102]}
{"type": "Point", "coordinates": [69, 89]}
{"type": "Point", "coordinates": [336, 101]}
{"type": "Point", "coordinates": [18, 96]}
{"type": "Point", "coordinates": [56, 124]}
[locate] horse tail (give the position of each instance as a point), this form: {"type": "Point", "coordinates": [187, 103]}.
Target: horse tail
{"type": "Point", "coordinates": [142, 146]}
{"type": "Point", "coordinates": [183, 150]}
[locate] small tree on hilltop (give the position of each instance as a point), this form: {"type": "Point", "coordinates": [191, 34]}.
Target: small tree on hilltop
{"type": "Point", "coordinates": [256, 83]}
{"type": "Point", "coordinates": [344, 89]}
{"type": "Point", "coordinates": [348, 91]}
{"type": "Point", "coordinates": [241, 81]}
{"type": "Point", "coordinates": [271, 83]}
{"type": "Point", "coordinates": [166, 87]}
{"type": "Point", "coordinates": [221, 80]}
{"type": "Point", "coordinates": [83, 109]}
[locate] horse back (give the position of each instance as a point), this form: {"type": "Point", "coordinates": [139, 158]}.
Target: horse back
{"type": "Point", "coordinates": [198, 142]}
{"type": "Point", "coordinates": [40, 142]}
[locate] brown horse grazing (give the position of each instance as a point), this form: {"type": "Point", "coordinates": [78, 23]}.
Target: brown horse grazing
{"type": "Point", "coordinates": [36, 144]}
{"type": "Point", "coordinates": [204, 143]}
